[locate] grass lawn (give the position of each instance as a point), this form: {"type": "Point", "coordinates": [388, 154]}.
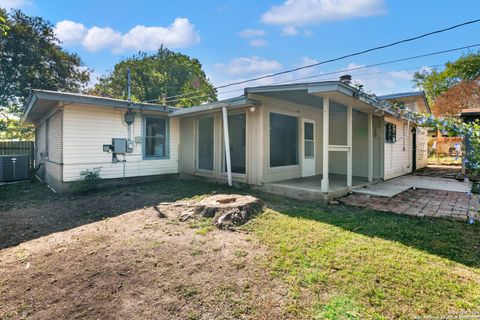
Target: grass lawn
{"type": "Point", "coordinates": [341, 262]}
{"type": "Point", "coordinates": [346, 263]}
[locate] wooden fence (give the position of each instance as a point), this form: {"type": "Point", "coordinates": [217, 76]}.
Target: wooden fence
{"type": "Point", "coordinates": [18, 148]}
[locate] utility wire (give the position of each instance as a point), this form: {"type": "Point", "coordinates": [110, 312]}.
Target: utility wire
{"type": "Point", "coordinates": [320, 75]}
{"type": "Point", "coordinates": [196, 93]}
{"type": "Point", "coordinates": [347, 55]}
{"type": "Point", "coordinates": [353, 54]}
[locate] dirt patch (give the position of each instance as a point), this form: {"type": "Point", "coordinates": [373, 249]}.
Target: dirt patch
{"type": "Point", "coordinates": [139, 265]}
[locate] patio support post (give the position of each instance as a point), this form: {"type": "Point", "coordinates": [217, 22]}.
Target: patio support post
{"type": "Point", "coordinates": [326, 141]}
{"type": "Point", "coordinates": [226, 138]}
{"type": "Point", "coordinates": [370, 147]}
{"type": "Point", "coordinates": [350, 145]}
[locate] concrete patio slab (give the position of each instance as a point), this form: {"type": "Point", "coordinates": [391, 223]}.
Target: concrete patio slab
{"type": "Point", "coordinates": [395, 186]}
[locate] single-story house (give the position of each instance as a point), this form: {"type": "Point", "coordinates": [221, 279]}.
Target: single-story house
{"type": "Point", "coordinates": [315, 140]}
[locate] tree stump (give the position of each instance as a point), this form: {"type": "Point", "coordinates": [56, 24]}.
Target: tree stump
{"type": "Point", "coordinates": [226, 210]}
{"type": "Point", "coordinates": [229, 210]}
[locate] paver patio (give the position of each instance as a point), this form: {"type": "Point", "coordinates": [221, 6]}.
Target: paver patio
{"type": "Point", "coordinates": [420, 203]}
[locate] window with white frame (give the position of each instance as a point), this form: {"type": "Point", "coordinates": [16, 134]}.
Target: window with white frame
{"type": "Point", "coordinates": [155, 137]}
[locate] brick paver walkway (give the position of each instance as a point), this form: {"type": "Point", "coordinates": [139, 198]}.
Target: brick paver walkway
{"type": "Point", "coordinates": [421, 203]}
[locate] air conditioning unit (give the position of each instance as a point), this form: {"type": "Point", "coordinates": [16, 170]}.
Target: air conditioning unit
{"type": "Point", "coordinates": [14, 168]}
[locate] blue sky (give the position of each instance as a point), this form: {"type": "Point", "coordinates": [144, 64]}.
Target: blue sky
{"type": "Point", "coordinates": [242, 39]}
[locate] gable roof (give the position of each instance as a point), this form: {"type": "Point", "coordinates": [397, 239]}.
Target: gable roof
{"type": "Point", "coordinates": [411, 94]}
{"type": "Point", "coordinates": [308, 89]}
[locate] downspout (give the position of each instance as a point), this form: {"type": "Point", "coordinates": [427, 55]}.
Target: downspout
{"type": "Point", "coordinates": [226, 138]}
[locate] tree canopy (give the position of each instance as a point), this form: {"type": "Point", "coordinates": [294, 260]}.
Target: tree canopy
{"type": "Point", "coordinates": [436, 82]}
{"type": "Point", "coordinates": [163, 74]}
{"type": "Point", "coordinates": [31, 58]}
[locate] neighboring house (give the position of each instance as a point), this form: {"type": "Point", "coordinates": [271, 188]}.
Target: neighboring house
{"type": "Point", "coordinates": [279, 138]}
{"type": "Point", "coordinates": [408, 150]}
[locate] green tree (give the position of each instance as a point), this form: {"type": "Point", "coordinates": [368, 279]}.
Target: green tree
{"type": "Point", "coordinates": [437, 81]}
{"type": "Point", "coordinates": [31, 58]}
{"type": "Point", "coordinates": [165, 73]}
{"type": "Point", "coordinates": [3, 24]}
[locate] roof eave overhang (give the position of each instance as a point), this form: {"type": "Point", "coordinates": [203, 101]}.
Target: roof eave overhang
{"type": "Point", "coordinates": [231, 104]}
{"type": "Point", "coordinates": [36, 95]}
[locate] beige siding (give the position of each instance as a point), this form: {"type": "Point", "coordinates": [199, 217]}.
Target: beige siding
{"type": "Point", "coordinates": [87, 128]}
{"type": "Point", "coordinates": [398, 155]}
{"type": "Point", "coordinates": [300, 111]}
{"type": "Point", "coordinates": [187, 146]}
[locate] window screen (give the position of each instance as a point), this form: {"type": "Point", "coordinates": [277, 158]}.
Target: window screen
{"type": "Point", "coordinates": [156, 137]}
{"type": "Point", "coordinates": [390, 132]}
{"type": "Point", "coordinates": [205, 143]}
{"type": "Point", "coordinates": [237, 133]}
{"type": "Point", "coordinates": [283, 140]}
{"type": "Point", "coordinates": [309, 141]}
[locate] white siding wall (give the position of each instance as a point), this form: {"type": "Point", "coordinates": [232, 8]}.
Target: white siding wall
{"type": "Point", "coordinates": [55, 138]}
{"type": "Point", "coordinates": [51, 169]}
{"type": "Point", "coordinates": [398, 161]}
{"type": "Point", "coordinates": [87, 128]}
{"type": "Point", "coordinates": [422, 148]}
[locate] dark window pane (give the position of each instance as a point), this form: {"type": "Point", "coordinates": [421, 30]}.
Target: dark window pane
{"type": "Point", "coordinates": [283, 140]}
{"type": "Point", "coordinates": [156, 137]}
{"type": "Point", "coordinates": [309, 149]}
{"type": "Point", "coordinates": [390, 132]}
{"type": "Point", "coordinates": [237, 134]}
{"type": "Point", "coordinates": [308, 131]}
{"type": "Point", "coordinates": [205, 144]}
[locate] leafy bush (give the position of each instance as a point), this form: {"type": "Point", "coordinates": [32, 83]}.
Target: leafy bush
{"type": "Point", "coordinates": [88, 181]}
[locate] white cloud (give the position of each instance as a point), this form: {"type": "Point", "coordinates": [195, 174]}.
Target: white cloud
{"type": "Point", "coordinates": [101, 38]}
{"type": "Point", "coordinates": [181, 33]}
{"type": "Point", "coordinates": [290, 31]}
{"type": "Point", "coordinates": [303, 12]}
{"type": "Point", "coordinates": [70, 32]}
{"type": "Point", "coordinates": [250, 65]}
{"type": "Point", "coordinates": [258, 43]}
{"type": "Point", "coordinates": [251, 33]}
{"type": "Point", "coordinates": [14, 4]}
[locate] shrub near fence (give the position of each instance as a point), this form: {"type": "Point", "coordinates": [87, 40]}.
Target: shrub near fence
{"type": "Point", "coordinates": [18, 148]}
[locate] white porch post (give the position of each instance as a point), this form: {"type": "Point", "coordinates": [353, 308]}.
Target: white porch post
{"type": "Point", "coordinates": [349, 145]}
{"type": "Point", "coordinates": [326, 141]}
{"type": "Point", "coordinates": [370, 147]}
{"type": "Point", "coordinates": [226, 138]}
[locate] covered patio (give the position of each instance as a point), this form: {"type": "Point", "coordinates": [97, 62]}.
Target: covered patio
{"type": "Point", "coordinates": [311, 188]}
{"type": "Point", "coordinates": [339, 131]}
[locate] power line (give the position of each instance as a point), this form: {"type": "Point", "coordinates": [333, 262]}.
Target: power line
{"type": "Point", "coordinates": [196, 94]}
{"type": "Point", "coordinates": [312, 65]}
{"type": "Point", "coordinates": [352, 54]}
{"type": "Point", "coordinates": [319, 75]}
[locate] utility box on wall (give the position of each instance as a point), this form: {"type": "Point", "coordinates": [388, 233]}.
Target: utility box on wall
{"type": "Point", "coordinates": [119, 145]}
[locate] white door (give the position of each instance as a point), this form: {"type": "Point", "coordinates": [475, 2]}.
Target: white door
{"type": "Point", "coordinates": [309, 152]}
